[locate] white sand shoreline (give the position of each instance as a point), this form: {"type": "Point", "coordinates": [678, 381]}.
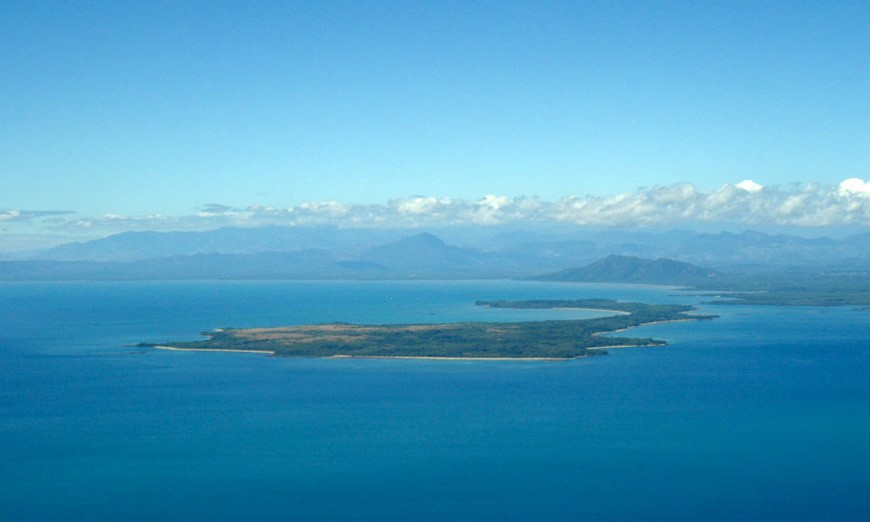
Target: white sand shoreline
{"type": "Point", "coordinates": [348, 356]}
{"type": "Point", "coordinates": [233, 350]}
{"type": "Point", "coordinates": [446, 358]}
{"type": "Point", "coordinates": [682, 320]}
{"type": "Point", "coordinates": [421, 357]}
{"type": "Point", "coordinates": [626, 346]}
{"type": "Point", "coordinates": [614, 312]}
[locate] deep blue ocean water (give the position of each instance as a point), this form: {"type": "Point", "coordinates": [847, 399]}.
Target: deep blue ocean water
{"type": "Point", "coordinates": [762, 414]}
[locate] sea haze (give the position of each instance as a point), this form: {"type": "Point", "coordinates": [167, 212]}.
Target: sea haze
{"type": "Point", "coordinates": [763, 413]}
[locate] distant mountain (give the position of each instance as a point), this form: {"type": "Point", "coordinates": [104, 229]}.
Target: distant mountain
{"type": "Point", "coordinates": [425, 255]}
{"type": "Point", "coordinates": [331, 253]}
{"type": "Point", "coordinates": [721, 251]}
{"type": "Point", "coordinates": [420, 256]}
{"type": "Point", "coordinates": [526, 250]}
{"type": "Point", "coordinates": [749, 247]}
{"type": "Point", "coordinates": [629, 269]}
{"type": "Point", "coordinates": [134, 246]}
{"type": "Point", "coordinates": [304, 264]}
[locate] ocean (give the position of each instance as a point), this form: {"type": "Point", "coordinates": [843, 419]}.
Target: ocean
{"type": "Point", "coordinates": [762, 414]}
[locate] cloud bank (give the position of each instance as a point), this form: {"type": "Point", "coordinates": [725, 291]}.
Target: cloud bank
{"type": "Point", "coordinates": [745, 203]}
{"type": "Point", "coordinates": [10, 216]}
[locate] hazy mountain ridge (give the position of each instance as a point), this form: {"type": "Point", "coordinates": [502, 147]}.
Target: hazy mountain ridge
{"type": "Point", "coordinates": [420, 256]}
{"type": "Point", "coordinates": [135, 246]}
{"type": "Point", "coordinates": [572, 244]}
{"type": "Point", "coordinates": [630, 269]}
{"type": "Point", "coordinates": [333, 253]}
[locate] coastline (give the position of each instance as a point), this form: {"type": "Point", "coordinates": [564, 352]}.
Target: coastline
{"type": "Point", "coordinates": [348, 356]}
{"type": "Point", "coordinates": [422, 357]}
{"type": "Point", "coordinates": [449, 358]}
{"type": "Point", "coordinates": [177, 349]}
{"type": "Point", "coordinates": [618, 346]}
{"type": "Point", "coordinates": [681, 320]}
{"type": "Point", "coordinates": [614, 312]}
{"type": "Point", "coordinates": [431, 357]}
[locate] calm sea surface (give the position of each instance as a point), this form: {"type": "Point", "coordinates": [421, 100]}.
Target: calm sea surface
{"type": "Point", "coordinates": [763, 414]}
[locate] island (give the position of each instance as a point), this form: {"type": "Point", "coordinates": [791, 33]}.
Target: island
{"type": "Point", "coordinates": [537, 340]}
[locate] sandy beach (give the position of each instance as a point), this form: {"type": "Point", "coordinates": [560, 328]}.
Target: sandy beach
{"type": "Point", "coordinates": [346, 356]}
{"type": "Point", "coordinates": [688, 318]}
{"type": "Point", "coordinates": [614, 312]}
{"type": "Point", "coordinates": [626, 346]}
{"type": "Point", "coordinates": [177, 349]}
{"type": "Point", "coordinates": [433, 358]}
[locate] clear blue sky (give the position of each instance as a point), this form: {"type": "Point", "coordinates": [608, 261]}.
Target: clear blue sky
{"type": "Point", "coordinates": [163, 107]}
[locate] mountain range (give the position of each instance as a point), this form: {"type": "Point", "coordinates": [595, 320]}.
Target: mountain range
{"type": "Point", "coordinates": [671, 257]}
{"type": "Point", "coordinates": [629, 269]}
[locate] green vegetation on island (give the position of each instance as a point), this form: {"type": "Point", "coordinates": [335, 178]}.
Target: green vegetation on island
{"type": "Point", "coordinates": [555, 339]}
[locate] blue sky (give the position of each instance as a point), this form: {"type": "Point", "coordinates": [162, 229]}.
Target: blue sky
{"type": "Point", "coordinates": [162, 108]}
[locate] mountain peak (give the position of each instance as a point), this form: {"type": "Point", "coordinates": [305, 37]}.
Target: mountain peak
{"type": "Point", "coordinates": [423, 240]}
{"type": "Point", "coordinates": [616, 268]}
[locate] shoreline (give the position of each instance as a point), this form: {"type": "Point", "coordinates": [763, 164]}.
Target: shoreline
{"type": "Point", "coordinates": [232, 350]}
{"type": "Point", "coordinates": [619, 346]}
{"type": "Point", "coordinates": [348, 356]}
{"type": "Point", "coordinates": [681, 320]}
{"type": "Point", "coordinates": [451, 358]}
{"type": "Point", "coordinates": [421, 357]}
{"type": "Point", "coordinates": [564, 308]}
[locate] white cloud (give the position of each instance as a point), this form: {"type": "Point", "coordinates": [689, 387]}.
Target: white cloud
{"type": "Point", "coordinates": [330, 209]}
{"type": "Point", "coordinates": [749, 186]}
{"type": "Point", "coordinates": [743, 203]}
{"type": "Point", "coordinates": [855, 186]}
{"type": "Point", "coordinates": [10, 215]}
{"type": "Point", "coordinates": [29, 215]}
{"type": "Point", "coordinates": [421, 205]}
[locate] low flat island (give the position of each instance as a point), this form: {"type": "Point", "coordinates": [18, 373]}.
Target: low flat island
{"type": "Point", "coordinates": [541, 340]}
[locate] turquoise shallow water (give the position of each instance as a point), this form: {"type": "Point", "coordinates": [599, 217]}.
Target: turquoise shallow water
{"type": "Point", "coordinates": [763, 414]}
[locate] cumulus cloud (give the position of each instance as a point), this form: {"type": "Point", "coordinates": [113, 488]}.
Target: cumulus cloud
{"type": "Point", "coordinates": [749, 186]}
{"type": "Point", "coordinates": [745, 203]}
{"type": "Point", "coordinates": [29, 215]}
{"type": "Point", "coordinates": [327, 209]}
{"type": "Point", "coordinates": [10, 215]}
{"type": "Point", "coordinates": [855, 186]}
{"type": "Point", "coordinates": [418, 205]}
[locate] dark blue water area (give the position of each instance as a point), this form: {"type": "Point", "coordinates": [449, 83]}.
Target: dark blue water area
{"type": "Point", "coordinates": [762, 414]}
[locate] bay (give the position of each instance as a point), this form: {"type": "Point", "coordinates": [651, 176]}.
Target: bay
{"type": "Point", "coordinates": [760, 414]}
